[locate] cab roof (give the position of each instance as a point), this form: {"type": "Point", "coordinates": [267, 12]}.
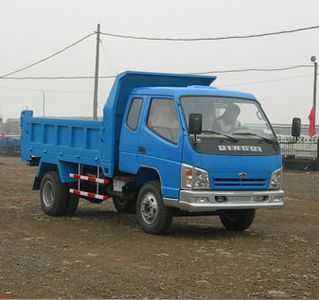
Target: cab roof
{"type": "Point", "coordinates": [189, 91]}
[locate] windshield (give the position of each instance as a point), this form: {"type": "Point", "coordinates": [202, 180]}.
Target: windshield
{"type": "Point", "coordinates": [236, 117]}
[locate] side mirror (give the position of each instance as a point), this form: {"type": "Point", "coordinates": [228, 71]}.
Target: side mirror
{"type": "Point", "coordinates": [296, 127]}
{"type": "Point", "coordinates": [195, 123]}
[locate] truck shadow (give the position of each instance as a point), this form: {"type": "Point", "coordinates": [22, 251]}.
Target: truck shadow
{"type": "Point", "coordinates": [194, 231]}
{"type": "Point", "coordinates": [179, 229]}
{"type": "Point", "coordinates": [102, 215]}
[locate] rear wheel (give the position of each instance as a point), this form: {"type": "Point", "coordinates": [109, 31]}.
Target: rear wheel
{"type": "Point", "coordinates": [54, 196]}
{"type": "Point", "coordinates": [237, 220]}
{"type": "Point", "coordinates": [151, 213]}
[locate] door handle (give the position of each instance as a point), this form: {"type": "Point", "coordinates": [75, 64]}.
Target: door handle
{"type": "Point", "coordinates": [141, 149]}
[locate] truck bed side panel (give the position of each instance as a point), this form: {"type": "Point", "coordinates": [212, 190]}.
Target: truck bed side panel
{"type": "Point", "coordinates": [74, 141]}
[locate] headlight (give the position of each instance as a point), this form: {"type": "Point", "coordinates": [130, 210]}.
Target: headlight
{"type": "Point", "coordinates": [194, 178]}
{"type": "Point", "coordinates": [275, 180]}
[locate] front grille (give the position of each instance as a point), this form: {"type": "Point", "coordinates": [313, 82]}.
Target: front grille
{"type": "Point", "coordinates": [239, 183]}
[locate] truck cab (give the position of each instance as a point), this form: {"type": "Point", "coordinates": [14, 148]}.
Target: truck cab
{"type": "Point", "coordinates": [239, 169]}
{"type": "Point", "coordinates": [175, 145]}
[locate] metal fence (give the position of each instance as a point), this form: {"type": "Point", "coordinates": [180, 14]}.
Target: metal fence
{"type": "Point", "coordinates": [300, 154]}
{"type": "Point", "coordinates": [10, 145]}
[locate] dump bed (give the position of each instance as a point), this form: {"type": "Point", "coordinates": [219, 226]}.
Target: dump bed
{"type": "Point", "coordinates": [77, 141]}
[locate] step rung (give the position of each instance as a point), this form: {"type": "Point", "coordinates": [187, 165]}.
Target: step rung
{"type": "Point", "coordinates": [90, 179]}
{"type": "Point", "coordinates": [87, 194]}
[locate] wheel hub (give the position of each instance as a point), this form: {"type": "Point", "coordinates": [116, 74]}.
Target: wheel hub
{"type": "Point", "coordinates": [48, 194]}
{"type": "Point", "coordinates": [149, 208]}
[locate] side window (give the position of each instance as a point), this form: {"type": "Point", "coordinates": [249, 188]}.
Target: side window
{"type": "Point", "coordinates": [134, 112]}
{"type": "Point", "coordinates": [162, 119]}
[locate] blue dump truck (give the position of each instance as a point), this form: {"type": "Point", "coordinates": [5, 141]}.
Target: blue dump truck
{"type": "Point", "coordinates": [168, 145]}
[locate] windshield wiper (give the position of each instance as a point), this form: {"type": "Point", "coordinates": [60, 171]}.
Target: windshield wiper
{"type": "Point", "coordinates": [254, 134]}
{"type": "Point", "coordinates": [220, 133]}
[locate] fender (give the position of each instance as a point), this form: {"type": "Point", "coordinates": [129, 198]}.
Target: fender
{"type": "Point", "coordinates": [63, 169]}
{"type": "Point", "coordinates": [145, 174]}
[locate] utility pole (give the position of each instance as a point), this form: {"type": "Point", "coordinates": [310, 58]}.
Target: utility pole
{"type": "Point", "coordinates": [313, 59]}
{"type": "Point", "coordinates": [43, 102]}
{"type": "Point", "coordinates": [96, 80]}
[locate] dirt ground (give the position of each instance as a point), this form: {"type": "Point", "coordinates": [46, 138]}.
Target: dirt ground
{"type": "Point", "coordinates": [99, 253]}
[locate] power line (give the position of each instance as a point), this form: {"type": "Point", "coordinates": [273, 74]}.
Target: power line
{"type": "Point", "coordinates": [48, 57]}
{"type": "Point", "coordinates": [227, 85]}
{"type": "Point", "coordinates": [266, 81]}
{"type": "Point", "coordinates": [253, 70]}
{"type": "Point", "coordinates": [107, 57]}
{"type": "Point", "coordinates": [193, 73]}
{"type": "Point", "coordinates": [49, 91]}
{"type": "Point", "coordinates": [20, 89]}
{"type": "Point", "coordinates": [56, 77]}
{"type": "Point", "coordinates": [209, 38]}
{"type": "Point", "coordinates": [158, 39]}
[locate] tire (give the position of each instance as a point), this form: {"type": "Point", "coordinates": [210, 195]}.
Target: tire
{"type": "Point", "coordinates": [152, 215]}
{"type": "Point", "coordinates": [123, 206]}
{"type": "Point", "coordinates": [237, 220]}
{"type": "Point", "coordinates": [54, 196]}
{"type": "Point", "coordinates": [71, 204]}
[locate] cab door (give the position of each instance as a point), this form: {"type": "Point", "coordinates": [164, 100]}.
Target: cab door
{"type": "Point", "coordinates": [129, 136]}
{"type": "Point", "coordinates": [160, 143]}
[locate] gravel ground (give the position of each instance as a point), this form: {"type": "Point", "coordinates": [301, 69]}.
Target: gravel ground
{"type": "Point", "coordinates": [99, 253]}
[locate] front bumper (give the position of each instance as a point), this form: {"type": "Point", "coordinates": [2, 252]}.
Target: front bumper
{"type": "Point", "coordinates": [201, 201]}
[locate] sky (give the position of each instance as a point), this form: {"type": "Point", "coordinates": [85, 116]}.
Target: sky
{"type": "Point", "coordinates": [34, 29]}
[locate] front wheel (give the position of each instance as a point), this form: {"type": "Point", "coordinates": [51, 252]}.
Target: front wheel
{"type": "Point", "coordinates": [237, 220]}
{"type": "Point", "coordinates": [152, 215]}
